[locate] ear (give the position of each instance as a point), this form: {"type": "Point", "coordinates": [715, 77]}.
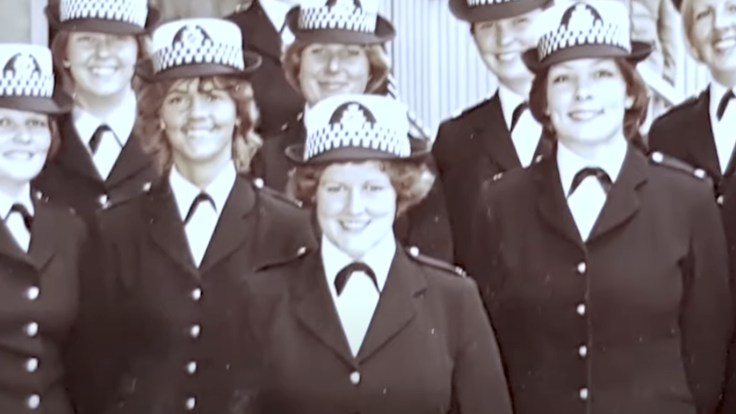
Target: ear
{"type": "Point", "coordinates": [629, 102]}
{"type": "Point", "coordinates": [66, 64]}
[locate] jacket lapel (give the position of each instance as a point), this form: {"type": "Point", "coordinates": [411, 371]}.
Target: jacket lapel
{"type": "Point", "coordinates": [235, 225]}
{"type": "Point", "coordinates": [44, 236]}
{"type": "Point", "coordinates": [315, 309]}
{"type": "Point", "coordinates": [551, 203]}
{"type": "Point", "coordinates": [167, 229]}
{"type": "Point", "coordinates": [490, 128]}
{"type": "Point", "coordinates": [132, 159]}
{"type": "Point", "coordinates": [397, 305]}
{"type": "Point", "coordinates": [622, 202]}
{"type": "Point", "coordinates": [259, 33]}
{"type": "Point", "coordinates": [703, 150]}
{"type": "Point", "coordinates": [72, 153]}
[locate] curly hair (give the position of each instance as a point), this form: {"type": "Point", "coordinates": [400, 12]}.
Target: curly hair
{"type": "Point", "coordinates": [412, 182]}
{"type": "Point", "coordinates": [148, 125]}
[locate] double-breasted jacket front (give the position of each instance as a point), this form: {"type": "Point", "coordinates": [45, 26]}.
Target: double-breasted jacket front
{"type": "Point", "coordinates": [634, 320]}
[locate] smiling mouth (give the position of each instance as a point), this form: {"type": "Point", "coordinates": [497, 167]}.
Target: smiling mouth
{"type": "Point", "coordinates": [332, 86]}
{"type": "Point", "coordinates": [354, 225]}
{"type": "Point", "coordinates": [584, 115]}
{"type": "Point", "coordinates": [507, 56]}
{"type": "Point", "coordinates": [18, 155]}
{"type": "Point", "coordinates": [103, 70]}
{"type": "Point", "coordinates": [724, 44]}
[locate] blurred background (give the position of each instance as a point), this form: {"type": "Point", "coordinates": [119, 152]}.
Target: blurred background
{"type": "Point", "coordinates": [436, 66]}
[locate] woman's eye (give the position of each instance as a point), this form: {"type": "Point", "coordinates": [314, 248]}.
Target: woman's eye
{"type": "Point", "coordinates": [4, 122]}
{"type": "Point", "coordinates": [560, 79]}
{"type": "Point", "coordinates": [603, 74]}
{"type": "Point", "coordinates": [36, 123]}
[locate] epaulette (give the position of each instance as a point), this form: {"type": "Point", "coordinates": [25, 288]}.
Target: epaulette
{"type": "Point", "coordinates": [464, 111]}
{"type": "Point", "coordinates": [285, 260]}
{"type": "Point", "coordinates": [244, 6]}
{"type": "Point", "coordinates": [686, 104]}
{"type": "Point", "coordinates": [260, 185]}
{"type": "Point", "coordinates": [107, 204]}
{"type": "Point", "coordinates": [40, 196]}
{"type": "Point", "coordinates": [438, 264]}
{"type": "Point", "coordinates": [673, 163]}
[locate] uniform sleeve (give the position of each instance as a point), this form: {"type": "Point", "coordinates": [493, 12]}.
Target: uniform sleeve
{"type": "Point", "coordinates": [479, 383]}
{"type": "Point", "coordinates": [706, 310]}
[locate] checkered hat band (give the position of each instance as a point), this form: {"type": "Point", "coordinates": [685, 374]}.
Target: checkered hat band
{"type": "Point", "coordinates": [123, 11]}
{"type": "Point", "coordinates": [375, 137]}
{"type": "Point", "coordinates": [599, 34]}
{"type": "Point", "coordinates": [322, 18]}
{"type": "Point", "coordinates": [217, 53]}
{"type": "Point", "coordinates": [476, 3]}
{"type": "Point", "coordinates": [35, 85]}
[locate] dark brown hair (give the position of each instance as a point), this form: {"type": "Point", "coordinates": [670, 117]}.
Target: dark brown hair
{"type": "Point", "coordinates": [635, 87]}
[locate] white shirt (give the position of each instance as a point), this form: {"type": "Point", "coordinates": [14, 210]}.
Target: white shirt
{"type": "Point", "coordinates": [121, 121]}
{"type": "Point", "coordinates": [724, 131]}
{"type": "Point", "coordinates": [589, 198]}
{"type": "Point", "coordinates": [358, 301]}
{"type": "Point", "coordinates": [276, 12]}
{"type": "Point", "coordinates": [14, 222]}
{"type": "Point", "coordinates": [203, 222]}
{"type": "Point", "coordinates": [527, 132]}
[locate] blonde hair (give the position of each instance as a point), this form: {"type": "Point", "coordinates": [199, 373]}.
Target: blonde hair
{"type": "Point", "coordinates": [148, 126]}
{"type": "Point", "coordinates": [687, 10]}
{"type": "Point", "coordinates": [378, 59]}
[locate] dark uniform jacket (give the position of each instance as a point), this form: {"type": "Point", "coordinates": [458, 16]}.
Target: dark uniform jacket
{"type": "Point", "coordinates": [685, 132]}
{"type": "Point", "coordinates": [278, 102]}
{"type": "Point", "coordinates": [635, 320]}
{"type": "Point", "coordinates": [468, 150]}
{"type": "Point", "coordinates": [424, 225]}
{"type": "Point", "coordinates": [71, 179]}
{"type": "Point", "coordinates": [173, 325]}
{"type": "Point", "coordinates": [39, 298]}
{"type": "Point", "coordinates": [429, 348]}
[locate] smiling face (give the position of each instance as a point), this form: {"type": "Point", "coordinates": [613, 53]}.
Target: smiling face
{"type": "Point", "coordinates": [25, 139]}
{"type": "Point", "coordinates": [356, 206]}
{"type": "Point", "coordinates": [501, 44]}
{"type": "Point", "coordinates": [199, 120]}
{"type": "Point", "coordinates": [101, 64]}
{"type": "Point", "coordinates": [333, 69]}
{"type": "Point", "coordinates": [587, 100]}
{"type": "Point", "coordinates": [713, 34]}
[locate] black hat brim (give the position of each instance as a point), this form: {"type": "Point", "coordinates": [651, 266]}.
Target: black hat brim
{"type": "Point", "coordinates": [420, 150]}
{"type": "Point", "coordinates": [59, 103]}
{"type": "Point", "coordinates": [495, 11]}
{"type": "Point", "coordinates": [101, 25]}
{"type": "Point", "coordinates": [144, 69]}
{"type": "Point", "coordinates": [639, 52]}
{"type": "Point", "coordinates": [384, 32]}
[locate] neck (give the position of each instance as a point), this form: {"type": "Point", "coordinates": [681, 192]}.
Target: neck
{"type": "Point", "coordinates": [100, 106]}
{"type": "Point", "coordinates": [594, 151]}
{"type": "Point", "coordinates": [727, 79]}
{"type": "Point", "coordinates": [521, 87]}
{"type": "Point", "coordinates": [201, 174]}
{"type": "Point", "coordinates": [12, 188]}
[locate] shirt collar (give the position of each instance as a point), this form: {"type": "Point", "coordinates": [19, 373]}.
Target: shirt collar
{"type": "Point", "coordinates": [378, 258]}
{"type": "Point", "coordinates": [509, 102]}
{"type": "Point", "coordinates": [276, 12]}
{"type": "Point", "coordinates": [185, 192]}
{"type": "Point", "coordinates": [24, 198]}
{"type": "Point", "coordinates": [570, 163]}
{"type": "Point", "coordinates": [121, 121]}
{"type": "Point", "coordinates": [717, 91]}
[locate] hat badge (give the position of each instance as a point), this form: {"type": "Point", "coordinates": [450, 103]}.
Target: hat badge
{"type": "Point", "coordinates": [22, 64]}
{"type": "Point", "coordinates": [191, 37]}
{"type": "Point", "coordinates": [344, 4]}
{"type": "Point", "coordinates": [353, 116]}
{"type": "Point", "coordinates": [581, 17]}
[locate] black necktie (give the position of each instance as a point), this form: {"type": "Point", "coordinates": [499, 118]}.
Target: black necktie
{"type": "Point", "coordinates": [598, 173]}
{"type": "Point", "coordinates": [23, 211]}
{"type": "Point", "coordinates": [724, 104]}
{"type": "Point", "coordinates": [343, 275]}
{"type": "Point", "coordinates": [517, 114]}
{"type": "Point", "coordinates": [201, 197]}
{"type": "Point", "coordinates": [94, 142]}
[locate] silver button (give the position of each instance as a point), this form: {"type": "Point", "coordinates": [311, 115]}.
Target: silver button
{"type": "Point", "coordinates": [582, 267]}
{"type": "Point", "coordinates": [657, 157]}
{"type": "Point", "coordinates": [259, 182]}
{"type": "Point", "coordinates": [197, 294]}
{"type": "Point", "coordinates": [700, 173]}
{"type": "Point", "coordinates": [581, 309]}
{"type": "Point", "coordinates": [32, 365]}
{"type": "Point", "coordinates": [33, 401]}
{"type": "Point", "coordinates": [583, 394]}
{"type": "Point", "coordinates": [583, 351]}
{"type": "Point", "coordinates": [301, 251]}
{"type": "Point", "coordinates": [719, 200]}
{"type": "Point", "coordinates": [191, 403]}
{"type": "Point", "coordinates": [414, 251]}
{"type": "Point", "coordinates": [146, 186]}
{"type": "Point", "coordinates": [192, 367]}
{"type": "Point", "coordinates": [355, 378]}
{"type": "Point", "coordinates": [103, 199]}
{"type": "Point", "coordinates": [194, 331]}
{"type": "Point", "coordinates": [31, 329]}
{"type": "Point", "coordinates": [33, 292]}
